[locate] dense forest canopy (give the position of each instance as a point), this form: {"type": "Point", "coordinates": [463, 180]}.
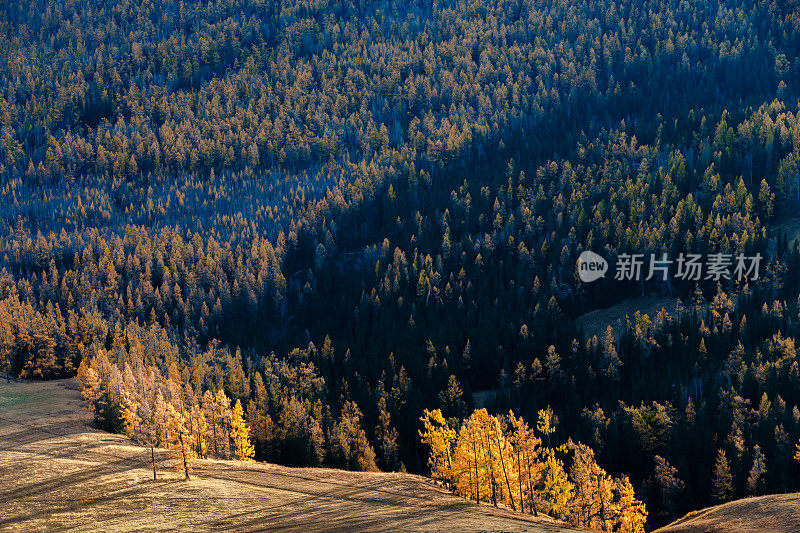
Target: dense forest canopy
{"type": "Point", "coordinates": [344, 214]}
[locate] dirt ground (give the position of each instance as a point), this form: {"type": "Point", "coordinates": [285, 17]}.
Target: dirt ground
{"type": "Point", "coordinates": [763, 514]}
{"type": "Point", "coordinates": [58, 473]}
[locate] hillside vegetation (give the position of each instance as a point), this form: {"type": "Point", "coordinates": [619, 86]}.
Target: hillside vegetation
{"type": "Point", "coordinates": [56, 472]}
{"type": "Point", "coordinates": [287, 230]}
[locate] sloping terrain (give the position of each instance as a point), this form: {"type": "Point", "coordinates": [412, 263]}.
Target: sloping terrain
{"type": "Point", "coordinates": [594, 323]}
{"type": "Point", "coordinates": [763, 514]}
{"type": "Point", "coordinates": [791, 229]}
{"type": "Point", "coordinates": [57, 472]}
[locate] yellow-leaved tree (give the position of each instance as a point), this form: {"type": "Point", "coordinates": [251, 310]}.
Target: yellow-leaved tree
{"type": "Point", "coordinates": [630, 513]}
{"type": "Point", "coordinates": [503, 461]}
{"type": "Point", "coordinates": [178, 437]}
{"type": "Point", "coordinates": [484, 461]}
{"type": "Point", "coordinates": [91, 387]}
{"type": "Point", "coordinates": [469, 472]}
{"type": "Point", "coordinates": [240, 434]}
{"type": "Point", "coordinates": [593, 503]}
{"type": "Point", "coordinates": [217, 409]}
{"type": "Point", "coordinates": [526, 450]}
{"type": "Point", "coordinates": [555, 487]}
{"type": "Point", "coordinates": [440, 438]}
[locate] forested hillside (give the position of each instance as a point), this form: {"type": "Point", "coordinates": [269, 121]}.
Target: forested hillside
{"type": "Point", "coordinates": [346, 215]}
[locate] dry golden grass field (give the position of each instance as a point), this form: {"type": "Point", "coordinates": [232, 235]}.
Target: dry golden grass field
{"type": "Point", "coordinates": [777, 513]}
{"type": "Point", "coordinates": [58, 473]}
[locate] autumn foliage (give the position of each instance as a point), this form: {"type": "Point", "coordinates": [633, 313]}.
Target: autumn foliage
{"type": "Point", "coordinates": [315, 219]}
{"type": "Point", "coordinates": [502, 461]}
{"type": "Point", "coordinates": [158, 410]}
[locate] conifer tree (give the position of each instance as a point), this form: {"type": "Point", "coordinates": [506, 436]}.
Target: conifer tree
{"type": "Point", "coordinates": [526, 449]}
{"type": "Point", "coordinates": [722, 487]}
{"type": "Point", "coordinates": [440, 438]}
{"type": "Point", "coordinates": [592, 502]}
{"type": "Point", "coordinates": [555, 487]}
{"type": "Point", "coordinates": [199, 429]}
{"type": "Point", "coordinates": [91, 388]}
{"type": "Point", "coordinates": [146, 433]}
{"type": "Point", "coordinates": [240, 434]}
{"type": "Point", "coordinates": [216, 407]}
{"type": "Point", "coordinates": [756, 478]}
{"type": "Point", "coordinates": [631, 515]}
{"type": "Point", "coordinates": [468, 470]}
{"type": "Point", "coordinates": [667, 487]}
{"type": "Point", "coordinates": [386, 436]}
{"type": "Point", "coordinates": [179, 439]}
{"type": "Point", "coordinates": [349, 443]}
{"type": "Point", "coordinates": [139, 423]}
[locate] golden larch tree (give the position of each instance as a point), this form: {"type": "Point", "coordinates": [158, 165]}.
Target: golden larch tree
{"type": "Point", "coordinates": [240, 434]}
{"type": "Point", "coordinates": [179, 438]}
{"type": "Point", "coordinates": [439, 437]}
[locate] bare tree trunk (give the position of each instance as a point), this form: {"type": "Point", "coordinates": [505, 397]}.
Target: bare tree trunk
{"type": "Point", "coordinates": [449, 467]}
{"type": "Point", "coordinates": [469, 471]}
{"type": "Point", "coordinates": [153, 461]}
{"type": "Point", "coordinates": [505, 474]}
{"type": "Point", "coordinates": [602, 504]}
{"type": "Point", "coordinates": [183, 453]}
{"type": "Point", "coordinates": [530, 484]}
{"type": "Point", "coordinates": [491, 466]}
{"type": "Point", "coordinates": [214, 425]}
{"type": "Point", "coordinates": [519, 480]}
{"type": "Point", "coordinates": [475, 461]}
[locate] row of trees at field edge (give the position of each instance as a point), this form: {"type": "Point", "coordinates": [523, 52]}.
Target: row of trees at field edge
{"type": "Point", "coordinates": [503, 460]}
{"type": "Point", "coordinates": [154, 410]}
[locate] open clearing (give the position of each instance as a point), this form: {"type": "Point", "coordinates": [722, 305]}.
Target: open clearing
{"type": "Point", "coordinates": [594, 323]}
{"type": "Point", "coordinates": [791, 228]}
{"type": "Point", "coordinates": [58, 473]}
{"type": "Point", "coordinates": [763, 514]}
